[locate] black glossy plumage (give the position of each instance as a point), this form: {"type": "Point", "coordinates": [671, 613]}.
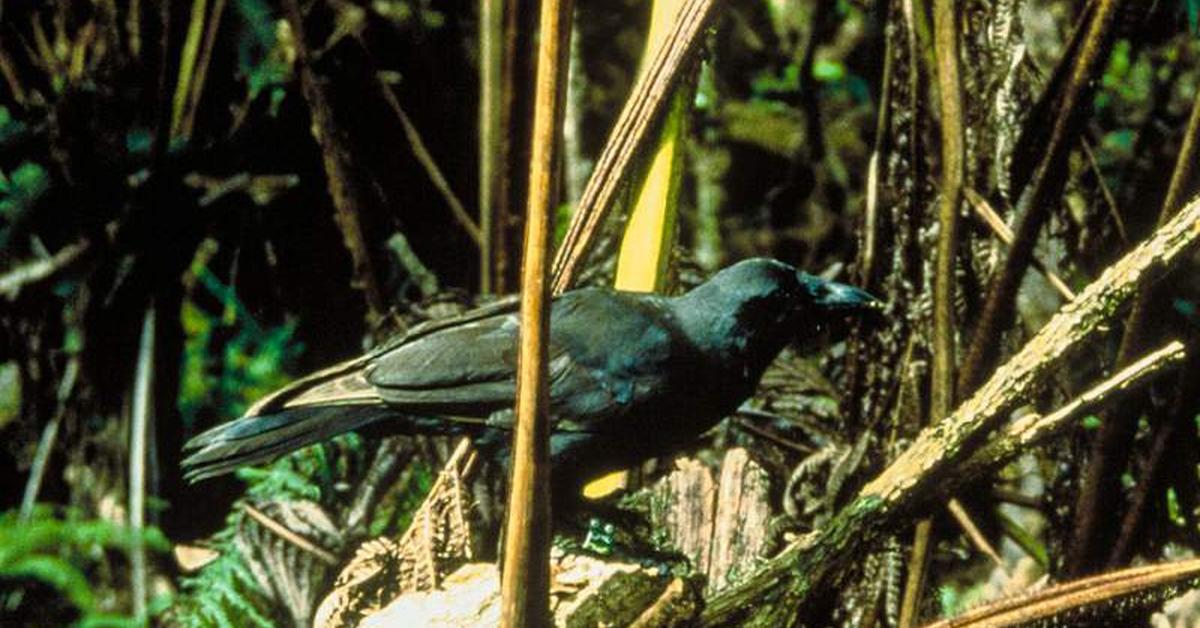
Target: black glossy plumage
{"type": "Point", "coordinates": [631, 375]}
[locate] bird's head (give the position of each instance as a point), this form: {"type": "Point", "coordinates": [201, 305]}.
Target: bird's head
{"type": "Point", "coordinates": [757, 306]}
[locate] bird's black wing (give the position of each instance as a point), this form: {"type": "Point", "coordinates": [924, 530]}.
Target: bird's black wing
{"type": "Point", "coordinates": [467, 368]}
{"type": "Point", "coordinates": [621, 352]}
{"type": "Point", "coordinates": [605, 347]}
{"type": "Point", "coordinates": [345, 383]}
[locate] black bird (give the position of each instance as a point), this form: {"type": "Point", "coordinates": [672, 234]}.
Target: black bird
{"type": "Point", "coordinates": [632, 376]}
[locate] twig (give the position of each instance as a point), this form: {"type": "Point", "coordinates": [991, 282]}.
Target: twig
{"type": "Point", "coordinates": [1171, 455]}
{"type": "Point", "coordinates": [786, 443]}
{"type": "Point", "coordinates": [516, 68]}
{"type": "Point", "coordinates": [963, 518]}
{"type": "Point", "coordinates": [945, 33]}
{"type": "Point", "coordinates": [421, 152]}
{"type": "Point", "coordinates": [385, 466]}
{"type": "Point", "coordinates": [291, 537]}
{"type": "Point", "coordinates": [1148, 487]}
{"type": "Point", "coordinates": [200, 75]}
{"type": "Point", "coordinates": [456, 469]}
{"type": "Point", "coordinates": [525, 581]}
{"type": "Point", "coordinates": [10, 77]}
{"type": "Point", "coordinates": [630, 133]}
{"type": "Point", "coordinates": [139, 424]}
{"type": "Point", "coordinates": [916, 572]}
{"type": "Point", "coordinates": [133, 24]}
{"type": "Point", "coordinates": [1103, 595]}
{"type": "Point", "coordinates": [1109, 201]}
{"type": "Point", "coordinates": [37, 470]}
{"type": "Point", "coordinates": [15, 280]}
{"type": "Point", "coordinates": [1017, 498]}
{"type": "Point", "coordinates": [187, 64]}
{"type": "Point", "coordinates": [1000, 228]}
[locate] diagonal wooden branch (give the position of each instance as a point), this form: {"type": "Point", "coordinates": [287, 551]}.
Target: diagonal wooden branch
{"type": "Point", "coordinates": [37, 271]}
{"type": "Point", "coordinates": [425, 158]}
{"type": "Point", "coordinates": [1034, 428]}
{"type": "Point", "coordinates": [630, 133]}
{"type": "Point", "coordinates": [1002, 231]}
{"type": "Point", "coordinates": [1099, 600]}
{"type": "Point", "coordinates": [284, 533]}
{"type": "Point", "coordinates": [976, 536]}
{"type": "Point", "coordinates": [784, 584]}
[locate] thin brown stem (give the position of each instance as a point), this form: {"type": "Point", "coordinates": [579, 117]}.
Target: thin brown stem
{"type": "Point", "coordinates": [981, 542]}
{"type": "Point", "coordinates": [187, 65]}
{"type": "Point", "coordinates": [525, 582]}
{"type": "Point", "coordinates": [994, 222]}
{"type": "Point", "coordinates": [133, 24]}
{"type": "Point", "coordinates": [421, 152]}
{"type": "Point", "coordinates": [1090, 601]}
{"type": "Point", "coordinates": [953, 171]}
{"type": "Point", "coordinates": [491, 89]}
{"type": "Point", "coordinates": [201, 73]}
{"type": "Point", "coordinates": [41, 270]}
{"type": "Point", "coordinates": [339, 171]}
{"type": "Point", "coordinates": [9, 72]}
{"type": "Point", "coordinates": [1109, 201]}
{"type": "Point", "coordinates": [918, 568]}
{"type": "Point", "coordinates": [291, 537]}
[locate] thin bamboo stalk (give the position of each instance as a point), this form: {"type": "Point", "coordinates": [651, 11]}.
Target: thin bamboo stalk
{"type": "Point", "coordinates": [491, 66]}
{"type": "Point", "coordinates": [525, 582]}
{"type": "Point", "coordinates": [140, 418]}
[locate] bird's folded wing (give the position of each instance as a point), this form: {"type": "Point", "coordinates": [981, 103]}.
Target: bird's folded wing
{"type": "Point", "coordinates": [345, 382]}
{"type": "Point", "coordinates": [468, 368]}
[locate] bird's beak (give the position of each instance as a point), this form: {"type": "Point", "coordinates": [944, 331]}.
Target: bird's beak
{"type": "Point", "coordinates": [842, 297]}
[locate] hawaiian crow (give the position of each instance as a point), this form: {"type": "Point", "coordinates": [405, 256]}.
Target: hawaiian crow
{"type": "Point", "coordinates": [632, 376]}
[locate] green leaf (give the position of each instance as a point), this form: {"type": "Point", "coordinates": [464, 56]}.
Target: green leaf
{"type": "Point", "coordinates": [828, 71]}
{"type": "Point", "coordinates": [1022, 537]}
{"type": "Point", "coordinates": [25, 186]}
{"type": "Point", "coordinates": [55, 572]}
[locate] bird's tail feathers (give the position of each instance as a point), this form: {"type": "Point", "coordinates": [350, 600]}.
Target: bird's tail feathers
{"type": "Point", "coordinates": [257, 439]}
{"type": "Point", "coordinates": [254, 440]}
